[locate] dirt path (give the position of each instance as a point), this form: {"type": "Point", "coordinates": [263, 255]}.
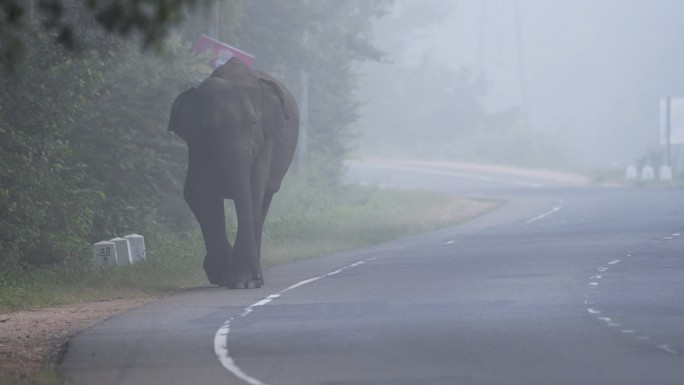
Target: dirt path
{"type": "Point", "coordinates": [34, 339]}
{"type": "Point", "coordinates": [540, 174]}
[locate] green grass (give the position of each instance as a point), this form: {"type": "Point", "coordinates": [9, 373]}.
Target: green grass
{"type": "Point", "coordinates": [301, 224]}
{"type": "Point", "coordinates": [171, 265]}
{"type": "Point", "coordinates": [357, 217]}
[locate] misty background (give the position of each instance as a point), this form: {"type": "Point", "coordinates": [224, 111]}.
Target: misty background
{"type": "Point", "coordinates": [85, 153]}
{"type": "Point", "coordinates": [532, 82]}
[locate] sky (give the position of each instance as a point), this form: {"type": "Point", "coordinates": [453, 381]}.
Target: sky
{"type": "Point", "coordinates": [590, 72]}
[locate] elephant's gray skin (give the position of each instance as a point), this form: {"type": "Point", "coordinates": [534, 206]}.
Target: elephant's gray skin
{"type": "Point", "coordinates": [241, 128]}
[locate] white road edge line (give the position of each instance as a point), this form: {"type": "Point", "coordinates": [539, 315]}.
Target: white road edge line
{"type": "Point", "coordinates": [221, 351]}
{"type": "Point", "coordinates": [668, 349]}
{"type": "Point", "coordinates": [221, 336]}
{"type": "Point", "coordinates": [556, 209]}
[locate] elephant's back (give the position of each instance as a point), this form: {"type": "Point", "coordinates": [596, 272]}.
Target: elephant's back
{"type": "Point", "coordinates": [237, 83]}
{"type": "Point", "coordinates": [230, 68]}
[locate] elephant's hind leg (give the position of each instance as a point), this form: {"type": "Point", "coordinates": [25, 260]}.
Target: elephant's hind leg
{"type": "Point", "coordinates": [204, 197]}
{"type": "Point", "coordinates": [266, 205]}
{"type": "Point", "coordinates": [217, 260]}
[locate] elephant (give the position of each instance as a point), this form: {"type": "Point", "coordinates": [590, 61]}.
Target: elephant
{"type": "Point", "coordinates": [241, 127]}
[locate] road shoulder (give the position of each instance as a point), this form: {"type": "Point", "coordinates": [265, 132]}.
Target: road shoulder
{"type": "Point", "coordinates": [35, 339]}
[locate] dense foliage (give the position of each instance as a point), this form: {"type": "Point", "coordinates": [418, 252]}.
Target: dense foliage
{"type": "Point", "coordinates": [84, 151]}
{"type": "Point", "coordinates": [151, 20]}
{"type": "Point", "coordinates": [45, 202]}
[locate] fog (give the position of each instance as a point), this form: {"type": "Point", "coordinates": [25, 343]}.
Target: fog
{"type": "Point", "coordinates": [582, 77]}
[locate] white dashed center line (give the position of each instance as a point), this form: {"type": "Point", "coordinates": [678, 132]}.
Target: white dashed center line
{"type": "Point", "coordinates": [595, 311]}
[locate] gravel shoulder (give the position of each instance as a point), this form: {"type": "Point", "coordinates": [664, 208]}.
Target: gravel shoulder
{"type": "Point", "coordinates": [35, 339]}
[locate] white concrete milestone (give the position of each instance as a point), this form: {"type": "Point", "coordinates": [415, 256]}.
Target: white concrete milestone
{"type": "Point", "coordinates": [123, 251]}
{"type": "Point", "coordinates": [647, 173]}
{"type": "Point", "coordinates": [104, 253]}
{"type": "Point", "coordinates": [665, 173]}
{"type": "Point", "coordinates": [631, 173]}
{"type": "Point", "coordinates": [137, 242]}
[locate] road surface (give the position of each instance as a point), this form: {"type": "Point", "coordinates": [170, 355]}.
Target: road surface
{"type": "Point", "coordinates": [561, 285]}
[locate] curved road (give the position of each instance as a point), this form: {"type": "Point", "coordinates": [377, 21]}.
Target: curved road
{"type": "Point", "coordinates": [561, 285]}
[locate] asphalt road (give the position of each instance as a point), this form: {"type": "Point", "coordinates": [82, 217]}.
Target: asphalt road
{"type": "Point", "coordinates": [561, 285]}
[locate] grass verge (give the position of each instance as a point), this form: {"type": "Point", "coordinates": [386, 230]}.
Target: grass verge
{"type": "Point", "coordinates": [301, 224]}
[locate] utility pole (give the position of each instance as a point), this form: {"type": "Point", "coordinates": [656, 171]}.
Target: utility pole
{"type": "Point", "coordinates": [521, 57]}
{"type": "Point", "coordinates": [215, 20]}
{"type": "Point", "coordinates": [481, 38]}
{"type": "Point", "coordinates": [29, 7]}
{"type": "Point", "coordinates": [303, 146]}
{"type": "Point", "coordinates": [668, 129]}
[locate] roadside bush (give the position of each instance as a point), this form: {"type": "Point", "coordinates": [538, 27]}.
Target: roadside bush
{"type": "Point", "coordinates": [84, 151]}
{"type": "Point", "coordinates": [46, 204]}
{"type": "Point", "coordinates": [123, 139]}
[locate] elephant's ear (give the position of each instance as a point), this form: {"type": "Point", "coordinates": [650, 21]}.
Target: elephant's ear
{"type": "Point", "coordinates": [275, 108]}
{"type": "Point", "coordinates": [183, 114]}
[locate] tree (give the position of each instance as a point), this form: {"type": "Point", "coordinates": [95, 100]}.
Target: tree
{"type": "Point", "coordinates": [46, 203]}
{"type": "Point", "coordinates": [325, 38]}
{"type": "Point", "coordinates": [121, 135]}
{"type": "Point", "coordinates": [150, 20]}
